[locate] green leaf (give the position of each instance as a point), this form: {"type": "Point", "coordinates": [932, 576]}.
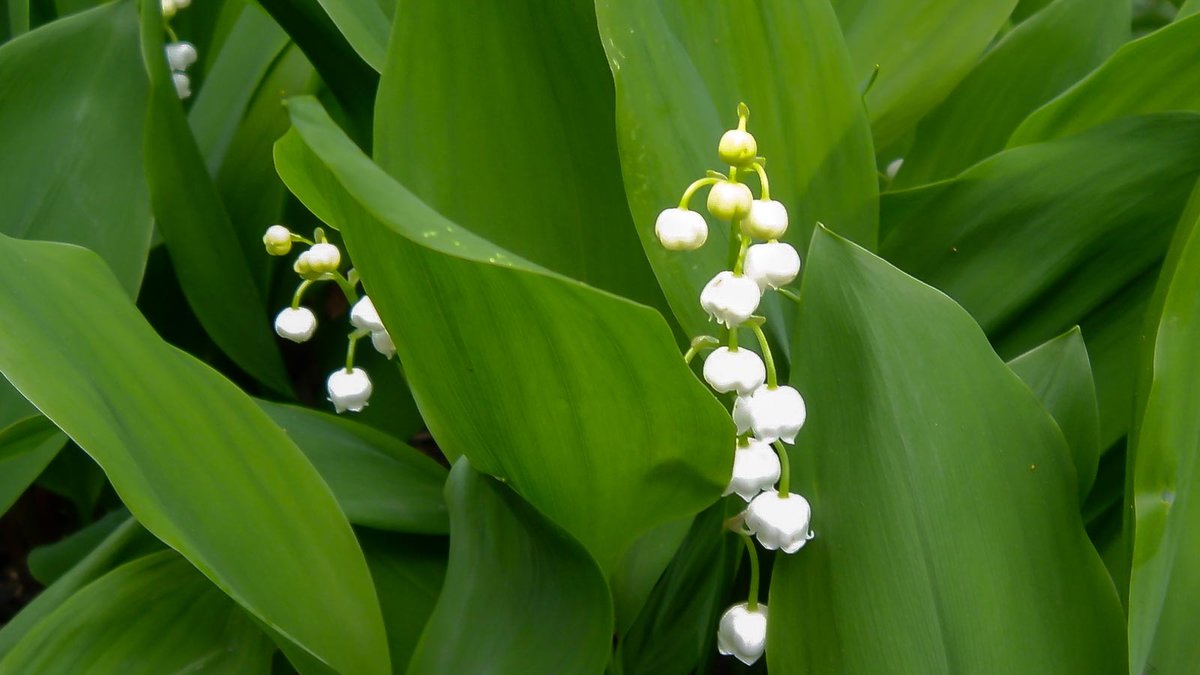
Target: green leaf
{"type": "Point", "coordinates": [365, 26]}
{"type": "Point", "coordinates": [1187, 9]}
{"type": "Point", "coordinates": [681, 68]}
{"type": "Point", "coordinates": [641, 567]}
{"type": "Point", "coordinates": [190, 455]}
{"type": "Point", "coordinates": [930, 467]}
{"type": "Point", "coordinates": [520, 596]}
{"type": "Point", "coordinates": [49, 563]}
{"type": "Point", "coordinates": [378, 481]}
{"type": "Point", "coordinates": [578, 398]}
{"type": "Point", "coordinates": [1150, 75]}
{"type": "Point", "coordinates": [153, 615]}
{"type": "Point", "coordinates": [1060, 374]}
{"type": "Point", "coordinates": [26, 447]}
{"type": "Point", "coordinates": [408, 574]}
{"type": "Point", "coordinates": [536, 170]}
{"type": "Point", "coordinates": [70, 136]}
{"type": "Point", "coordinates": [210, 265]}
{"type": "Point", "coordinates": [922, 51]}
{"type": "Point", "coordinates": [1165, 577]}
{"type": "Point", "coordinates": [1031, 65]}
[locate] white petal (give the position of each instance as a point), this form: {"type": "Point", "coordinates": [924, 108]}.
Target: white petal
{"type": "Point", "coordinates": [297, 325]}
{"type": "Point", "coordinates": [382, 341]}
{"type": "Point", "coordinates": [742, 632]}
{"type": "Point", "coordinates": [324, 257]}
{"type": "Point", "coordinates": [681, 229]}
{"type": "Point", "coordinates": [768, 219]}
{"type": "Point", "coordinates": [183, 85]}
{"type": "Point", "coordinates": [741, 370]}
{"type": "Point", "coordinates": [776, 414]}
{"type": "Point", "coordinates": [349, 390]}
{"type": "Point", "coordinates": [730, 299]}
{"type": "Point", "coordinates": [773, 264]}
{"type": "Point", "coordinates": [180, 55]}
{"type": "Point", "coordinates": [755, 468]}
{"type": "Point", "coordinates": [729, 201]}
{"type": "Point", "coordinates": [363, 315]}
{"type": "Point", "coordinates": [779, 522]}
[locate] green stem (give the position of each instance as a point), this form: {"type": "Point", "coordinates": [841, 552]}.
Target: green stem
{"type": "Point", "coordinates": [733, 339]}
{"type": "Point", "coordinates": [300, 292]}
{"type": "Point", "coordinates": [740, 263]}
{"type": "Point", "coordinates": [696, 185]}
{"type": "Point", "coordinates": [735, 243]}
{"type": "Point", "coordinates": [785, 469]}
{"type": "Point", "coordinates": [752, 601]}
{"type": "Point", "coordinates": [762, 178]}
{"type": "Point", "coordinates": [347, 287]}
{"type": "Point", "coordinates": [768, 360]}
{"type": "Point", "coordinates": [301, 238]}
{"type": "Point", "coordinates": [354, 338]}
{"type": "Point", "coordinates": [170, 33]}
{"type": "Point", "coordinates": [690, 354]}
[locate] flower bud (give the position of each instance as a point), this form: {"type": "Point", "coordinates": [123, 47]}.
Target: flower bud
{"type": "Point", "coordinates": [303, 267]}
{"type": "Point", "coordinates": [729, 201]}
{"type": "Point", "coordinates": [726, 370]}
{"type": "Point", "coordinates": [737, 147]}
{"type": "Point", "coordinates": [169, 8]}
{"type": "Point", "coordinates": [775, 414]}
{"type": "Point", "coordinates": [349, 390]}
{"type": "Point", "coordinates": [183, 85]}
{"type": "Point", "coordinates": [296, 325]}
{"type": "Point", "coordinates": [779, 522]}
{"type": "Point", "coordinates": [681, 229]}
{"type": "Point", "coordinates": [768, 219]}
{"type": "Point", "coordinates": [180, 55]}
{"type": "Point", "coordinates": [755, 468]}
{"type": "Point", "coordinates": [382, 340]}
{"type": "Point", "coordinates": [730, 299]}
{"type": "Point", "coordinates": [773, 264]}
{"type": "Point", "coordinates": [363, 315]}
{"type": "Point", "coordinates": [278, 240]}
{"type": "Point", "coordinates": [743, 632]}
{"type": "Point", "coordinates": [323, 257]}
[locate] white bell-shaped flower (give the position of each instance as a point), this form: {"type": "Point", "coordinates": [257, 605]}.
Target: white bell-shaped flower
{"type": "Point", "coordinates": [727, 370]}
{"type": "Point", "coordinates": [183, 85]}
{"type": "Point", "coordinates": [382, 340]}
{"type": "Point", "coordinates": [743, 632]}
{"type": "Point", "coordinates": [181, 55]}
{"type": "Point", "coordinates": [349, 390]}
{"type": "Point", "coordinates": [737, 147]}
{"type": "Point", "coordinates": [775, 414]}
{"type": "Point", "coordinates": [729, 201]}
{"type": "Point", "coordinates": [779, 522]}
{"type": "Point", "coordinates": [297, 325]}
{"type": "Point", "coordinates": [323, 257]}
{"type": "Point", "coordinates": [277, 240]}
{"type": "Point", "coordinates": [768, 219]}
{"type": "Point", "coordinates": [681, 229]}
{"type": "Point", "coordinates": [773, 264]}
{"type": "Point", "coordinates": [742, 418]}
{"type": "Point", "coordinates": [363, 315]}
{"type": "Point", "coordinates": [730, 299]}
{"type": "Point", "coordinates": [755, 468]}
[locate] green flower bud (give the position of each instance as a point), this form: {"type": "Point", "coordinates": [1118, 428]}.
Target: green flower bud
{"type": "Point", "coordinates": [278, 240]}
{"type": "Point", "coordinates": [303, 266]}
{"type": "Point", "coordinates": [737, 148]}
{"type": "Point", "coordinates": [729, 201]}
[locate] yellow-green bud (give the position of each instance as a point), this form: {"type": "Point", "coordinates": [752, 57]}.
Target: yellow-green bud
{"type": "Point", "coordinates": [278, 240]}
{"type": "Point", "coordinates": [737, 148]}
{"type": "Point", "coordinates": [323, 257]}
{"type": "Point", "coordinates": [729, 201]}
{"type": "Point", "coordinates": [303, 267]}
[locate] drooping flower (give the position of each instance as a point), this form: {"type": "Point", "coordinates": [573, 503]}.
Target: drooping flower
{"type": "Point", "coordinates": [363, 315]}
{"type": "Point", "coordinates": [183, 85]}
{"type": "Point", "coordinates": [180, 55]}
{"type": "Point", "coordinates": [278, 240]}
{"type": "Point", "coordinates": [779, 522]}
{"type": "Point", "coordinates": [681, 229]}
{"type": "Point", "coordinates": [773, 264]}
{"type": "Point", "coordinates": [755, 468]}
{"type": "Point", "coordinates": [774, 413]}
{"type": "Point", "coordinates": [768, 219]}
{"type": "Point", "coordinates": [323, 257]}
{"type": "Point", "coordinates": [730, 299]}
{"type": "Point", "coordinates": [382, 340]}
{"type": "Point", "coordinates": [297, 325]}
{"type": "Point", "coordinates": [349, 389]}
{"type": "Point", "coordinates": [743, 632]}
{"type": "Point", "coordinates": [729, 201]}
{"type": "Point", "coordinates": [727, 370]}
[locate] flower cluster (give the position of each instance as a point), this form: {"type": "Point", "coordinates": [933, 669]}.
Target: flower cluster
{"type": "Point", "coordinates": [349, 388]}
{"type": "Point", "coordinates": [765, 413]}
{"type": "Point", "coordinates": [180, 55]}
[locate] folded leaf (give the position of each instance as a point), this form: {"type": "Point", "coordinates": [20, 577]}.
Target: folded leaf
{"type": "Point", "coordinates": [26, 447]}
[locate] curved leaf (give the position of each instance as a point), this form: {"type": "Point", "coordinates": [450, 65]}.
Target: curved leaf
{"type": "Point", "coordinates": [408, 573]}
{"type": "Point", "coordinates": [520, 596]}
{"type": "Point", "coordinates": [191, 456]}
{"type": "Point", "coordinates": [365, 26]}
{"type": "Point", "coordinates": [944, 500]}
{"type": "Point", "coordinates": [578, 398]}
{"type": "Point", "coordinates": [26, 447]}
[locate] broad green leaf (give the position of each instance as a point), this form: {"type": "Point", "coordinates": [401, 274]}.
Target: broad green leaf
{"type": "Point", "coordinates": [1165, 578]}
{"type": "Point", "coordinates": [210, 265]}
{"type": "Point", "coordinates": [71, 138]}
{"type": "Point", "coordinates": [408, 574]}
{"type": "Point", "coordinates": [1150, 75]}
{"type": "Point", "coordinates": [681, 68]}
{"type": "Point", "coordinates": [154, 615]}
{"type": "Point", "coordinates": [943, 495]}
{"type": "Point", "coordinates": [49, 563]}
{"type": "Point", "coordinates": [378, 481]}
{"type": "Point", "coordinates": [365, 26]}
{"type": "Point", "coordinates": [578, 398]}
{"type": "Point", "coordinates": [1187, 9]}
{"type": "Point", "coordinates": [75, 476]}
{"type": "Point", "coordinates": [1026, 9]}
{"type": "Point", "coordinates": [1060, 374]}
{"type": "Point", "coordinates": [521, 596]}
{"type": "Point", "coordinates": [535, 170]}
{"type": "Point", "coordinates": [1031, 65]}
{"type": "Point", "coordinates": [192, 457]}
{"type": "Point", "coordinates": [922, 50]}
{"type": "Point", "coordinates": [26, 447]}
{"type": "Point", "coordinates": [640, 568]}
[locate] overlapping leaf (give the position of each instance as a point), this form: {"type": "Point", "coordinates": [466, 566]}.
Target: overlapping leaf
{"type": "Point", "coordinates": [26, 447]}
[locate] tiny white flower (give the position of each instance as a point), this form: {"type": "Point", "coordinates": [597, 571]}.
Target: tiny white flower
{"type": "Point", "coordinates": [169, 7]}
{"type": "Point", "coordinates": [730, 299]}
{"type": "Point", "coordinates": [382, 340]}
{"type": "Point", "coordinates": [323, 257]}
{"type": "Point", "coordinates": [779, 522]}
{"type": "Point", "coordinates": [729, 201]}
{"type": "Point", "coordinates": [364, 315]}
{"type": "Point", "coordinates": [773, 264]}
{"type": "Point", "coordinates": [755, 468]}
{"type": "Point", "coordinates": [737, 147]}
{"type": "Point", "coordinates": [726, 370]}
{"type": "Point", "coordinates": [349, 390]}
{"type": "Point", "coordinates": [893, 168]}
{"type": "Point", "coordinates": [743, 632]}
{"type": "Point", "coordinates": [183, 85]}
{"type": "Point", "coordinates": [775, 414]}
{"type": "Point", "coordinates": [768, 219]}
{"type": "Point", "coordinates": [180, 55]}
{"type": "Point", "coordinates": [742, 417]}
{"type": "Point", "coordinates": [681, 229]}
{"type": "Point", "coordinates": [278, 240]}
{"type": "Point", "coordinates": [297, 325]}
